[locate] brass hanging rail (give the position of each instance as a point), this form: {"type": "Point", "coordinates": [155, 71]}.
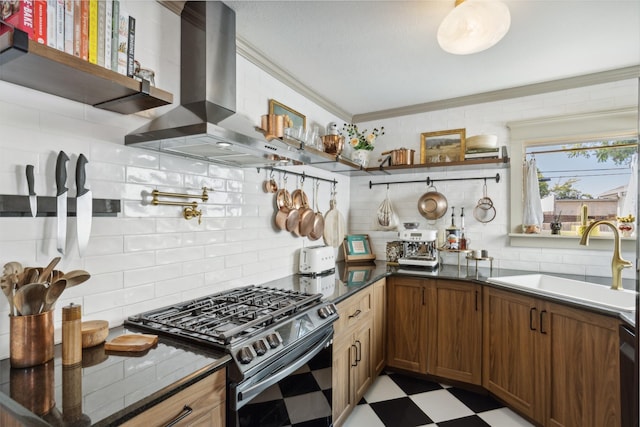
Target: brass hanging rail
{"type": "Point", "coordinates": [429, 181]}
{"type": "Point", "coordinates": [302, 174]}
{"type": "Point", "coordinates": [155, 193]}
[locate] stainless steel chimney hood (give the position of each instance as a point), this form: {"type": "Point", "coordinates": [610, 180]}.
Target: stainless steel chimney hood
{"type": "Point", "coordinates": [204, 126]}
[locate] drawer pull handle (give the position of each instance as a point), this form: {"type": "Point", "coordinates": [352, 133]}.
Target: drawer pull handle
{"type": "Point", "coordinates": [542, 331]}
{"type": "Point", "coordinates": [356, 354]}
{"type": "Point", "coordinates": [186, 411]}
{"type": "Point", "coordinates": [356, 314]}
{"type": "Point", "coordinates": [358, 351]}
{"type": "Point", "coordinates": [531, 310]}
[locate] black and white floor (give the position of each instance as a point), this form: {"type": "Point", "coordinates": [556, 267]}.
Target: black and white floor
{"type": "Point", "coordinates": [396, 400]}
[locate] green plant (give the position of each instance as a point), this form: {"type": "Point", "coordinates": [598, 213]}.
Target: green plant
{"type": "Point", "coordinates": [361, 140]}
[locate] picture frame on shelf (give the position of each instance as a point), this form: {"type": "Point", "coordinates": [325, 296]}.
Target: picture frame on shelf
{"type": "Point", "coordinates": [298, 120]}
{"type": "Point", "coordinates": [443, 146]}
{"type": "Point", "coordinates": [357, 247]}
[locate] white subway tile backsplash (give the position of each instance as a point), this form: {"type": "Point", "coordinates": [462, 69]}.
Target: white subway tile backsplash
{"type": "Point", "coordinates": [149, 256]}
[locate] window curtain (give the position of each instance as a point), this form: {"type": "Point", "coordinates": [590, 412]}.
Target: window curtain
{"type": "Point", "coordinates": [532, 217]}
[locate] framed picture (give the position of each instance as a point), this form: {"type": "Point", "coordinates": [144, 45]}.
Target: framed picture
{"type": "Point", "coordinates": [357, 248]}
{"type": "Point", "coordinates": [297, 119]}
{"type": "Point", "coordinates": [443, 146]}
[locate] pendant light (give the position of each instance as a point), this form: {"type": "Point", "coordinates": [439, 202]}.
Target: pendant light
{"type": "Point", "coordinates": [473, 26]}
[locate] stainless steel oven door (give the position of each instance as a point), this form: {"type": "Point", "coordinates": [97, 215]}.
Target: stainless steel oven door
{"type": "Point", "coordinates": [241, 393]}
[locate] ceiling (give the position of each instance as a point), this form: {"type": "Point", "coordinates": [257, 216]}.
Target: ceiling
{"type": "Point", "coordinates": [375, 59]}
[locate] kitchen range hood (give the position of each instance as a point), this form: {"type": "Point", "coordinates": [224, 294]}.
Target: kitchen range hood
{"type": "Point", "coordinates": [205, 126]}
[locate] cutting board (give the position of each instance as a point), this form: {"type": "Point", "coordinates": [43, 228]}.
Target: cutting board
{"type": "Point", "coordinates": [131, 343]}
{"type": "Point", "coordinates": [94, 332]}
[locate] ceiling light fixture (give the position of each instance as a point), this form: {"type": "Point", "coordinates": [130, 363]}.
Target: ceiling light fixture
{"type": "Point", "coordinates": [473, 26]}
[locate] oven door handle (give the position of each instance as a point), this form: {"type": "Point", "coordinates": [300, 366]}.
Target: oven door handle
{"type": "Point", "coordinates": [285, 371]}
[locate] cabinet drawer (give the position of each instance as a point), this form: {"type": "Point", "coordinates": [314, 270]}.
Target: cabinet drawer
{"type": "Point", "coordinates": [202, 397]}
{"type": "Point", "coordinates": [352, 310]}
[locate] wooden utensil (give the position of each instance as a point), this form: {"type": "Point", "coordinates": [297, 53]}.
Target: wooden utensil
{"type": "Point", "coordinates": [53, 293]}
{"type": "Point", "coordinates": [7, 290]}
{"type": "Point", "coordinates": [76, 277]}
{"type": "Point", "coordinates": [29, 298]}
{"type": "Point", "coordinates": [44, 276]}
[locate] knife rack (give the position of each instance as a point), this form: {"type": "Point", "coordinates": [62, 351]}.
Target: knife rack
{"type": "Point", "coordinates": [190, 209]}
{"type": "Point", "coordinates": [18, 206]}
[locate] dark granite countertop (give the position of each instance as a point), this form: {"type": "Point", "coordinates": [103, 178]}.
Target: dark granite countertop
{"type": "Point", "coordinates": [350, 278]}
{"type": "Point", "coordinates": [115, 387]}
{"type": "Point", "coordinates": [108, 387]}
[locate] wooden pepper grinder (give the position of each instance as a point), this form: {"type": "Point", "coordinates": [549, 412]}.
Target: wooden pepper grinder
{"type": "Point", "coordinates": [71, 335]}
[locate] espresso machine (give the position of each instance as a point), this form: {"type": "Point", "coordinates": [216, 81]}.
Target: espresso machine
{"type": "Point", "coordinates": [419, 248]}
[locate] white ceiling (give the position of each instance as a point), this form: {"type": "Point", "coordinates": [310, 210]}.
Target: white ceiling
{"type": "Point", "coordinates": [376, 58]}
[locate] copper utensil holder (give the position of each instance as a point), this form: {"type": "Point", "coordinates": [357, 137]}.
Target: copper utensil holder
{"type": "Point", "coordinates": [31, 339]}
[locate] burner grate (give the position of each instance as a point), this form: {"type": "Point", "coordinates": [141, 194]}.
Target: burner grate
{"type": "Point", "coordinates": [230, 315]}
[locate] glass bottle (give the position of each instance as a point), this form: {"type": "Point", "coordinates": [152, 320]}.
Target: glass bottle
{"type": "Point", "coordinates": [463, 238]}
{"type": "Point", "coordinates": [453, 232]}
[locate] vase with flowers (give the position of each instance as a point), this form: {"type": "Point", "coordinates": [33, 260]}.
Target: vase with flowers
{"type": "Point", "coordinates": [362, 142]}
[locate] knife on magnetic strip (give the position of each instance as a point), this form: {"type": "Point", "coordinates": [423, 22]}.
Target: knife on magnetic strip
{"type": "Point", "coordinates": [84, 206]}
{"type": "Point", "coordinates": [61, 201]}
{"type": "Point", "coordinates": [33, 199]}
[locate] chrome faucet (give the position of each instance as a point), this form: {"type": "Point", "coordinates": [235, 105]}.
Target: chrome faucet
{"type": "Point", "coordinates": [617, 263]}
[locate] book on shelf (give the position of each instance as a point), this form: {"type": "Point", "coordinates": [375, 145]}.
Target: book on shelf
{"type": "Point", "coordinates": [84, 29]}
{"type": "Point", "coordinates": [60, 25]}
{"type": "Point", "coordinates": [40, 21]}
{"type": "Point", "coordinates": [114, 34]}
{"type": "Point", "coordinates": [484, 153]}
{"type": "Point", "coordinates": [123, 41]}
{"type": "Point", "coordinates": [93, 31]}
{"type": "Point", "coordinates": [131, 45]}
{"type": "Point", "coordinates": [51, 23]}
{"type": "Point", "coordinates": [108, 33]}
{"type": "Point", "coordinates": [102, 10]}
{"type": "Point", "coordinates": [68, 26]}
{"type": "Point", "coordinates": [77, 27]}
{"type": "Point", "coordinates": [19, 15]}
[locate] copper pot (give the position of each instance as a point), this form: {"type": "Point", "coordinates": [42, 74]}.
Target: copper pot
{"type": "Point", "coordinates": [31, 339]}
{"type": "Point", "coordinates": [400, 156]}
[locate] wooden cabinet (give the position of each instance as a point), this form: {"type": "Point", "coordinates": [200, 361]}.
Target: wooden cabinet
{"type": "Point", "coordinates": [201, 404]}
{"type": "Point", "coordinates": [454, 330]}
{"type": "Point", "coordinates": [407, 324]}
{"type": "Point", "coordinates": [555, 364]}
{"type": "Point", "coordinates": [378, 354]}
{"type": "Point", "coordinates": [511, 345]}
{"type": "Point", "coordinates": [352, 349]}
{"type": "Point", "coordinates": [435, 327]}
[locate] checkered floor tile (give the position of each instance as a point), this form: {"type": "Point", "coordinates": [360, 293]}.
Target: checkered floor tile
{"type": "Point", "coordinates": [303, 399]}
{"type": "Point", "coordinates": [396, 400]}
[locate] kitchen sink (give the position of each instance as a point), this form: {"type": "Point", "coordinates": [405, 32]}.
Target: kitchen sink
{"type": "Point", "coordinates": [574, 290]}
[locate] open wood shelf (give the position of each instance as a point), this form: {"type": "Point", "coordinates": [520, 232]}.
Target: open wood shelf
{"type": "Point", "coordinates": [30, 64]}
{"type": "Point", "coordinates": [434, 167]}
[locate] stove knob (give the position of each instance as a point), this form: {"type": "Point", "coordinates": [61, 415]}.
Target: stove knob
{"type": "Point", "coordinates": [324, 312]}
{"type": "Point", "coordinates": [260, 347]}
{"type": "Point", "coordinates": [273, 340]}
{"type": "Point", "coordinates": [244, 355]}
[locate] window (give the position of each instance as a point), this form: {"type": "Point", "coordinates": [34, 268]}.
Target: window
{"type": "Point", "coordinates": [589, 177]}
{"type": "Point", "coordinates": [565, 131]}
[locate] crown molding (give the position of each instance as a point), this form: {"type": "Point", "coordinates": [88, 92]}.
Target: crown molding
{"type": "Point", "coordinates": [253, 55]}
{"type": "Point", "coordinates": [499, 95]}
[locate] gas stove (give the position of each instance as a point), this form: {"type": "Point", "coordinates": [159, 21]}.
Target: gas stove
{"type": "Point", "coordinates": [256, 325]}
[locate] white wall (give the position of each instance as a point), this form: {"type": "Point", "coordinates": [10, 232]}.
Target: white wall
{"type": "Point", "coordinates": [485, 118]}
{"type": "Point", "coordinates": [148, 256]}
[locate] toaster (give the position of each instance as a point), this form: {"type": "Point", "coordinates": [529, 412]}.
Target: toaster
{"type": "Point", "coordinates": [316, 260]}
